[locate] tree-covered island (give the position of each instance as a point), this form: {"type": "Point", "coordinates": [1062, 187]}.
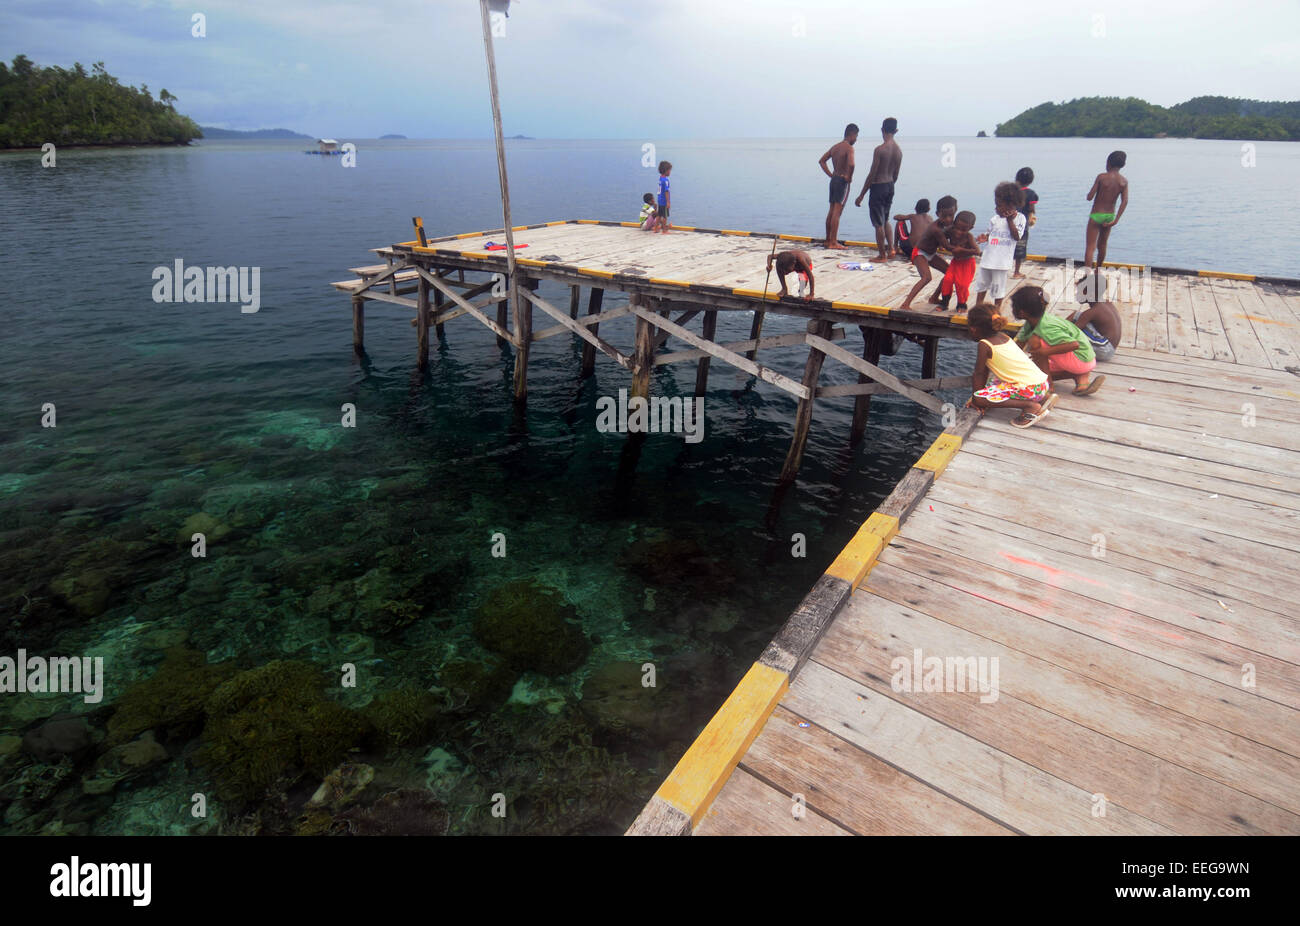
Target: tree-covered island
{"type": "Point", "coordinates": [70, 106]}
{"type": "Point", "coordinates": [1115, 117]}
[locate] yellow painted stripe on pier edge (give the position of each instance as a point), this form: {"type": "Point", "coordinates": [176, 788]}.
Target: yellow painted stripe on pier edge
{"type": "Point", "coordinates": [419, 250]}
{"type": "Point", "coordinates": [669, 282]}
{"type": "Point", "coordinates": [1225, 275]}
{"type": "Point", "coordinates": [683, 227]}
{"type": "Point", "coordinates": [553, 224]}
{"type": "Point", "coordinates": [408, 244]}
{"type": "Point", "coordinates": [699, 776]}
{"type": "Point", "coordinates": [860, 307]}
{"type": "Point", "coordinates": [530, 262]}
{"type": "Point", "coordinates": [794, 237]}
{"type": "Point", "coordinates": [472, 235]}
{"type": "Point", "coordinates": [630, 224]}
{"type": "Point", "coordinates": [940, 454]}
{"type": "Point", "coordinates": [755, 294]}
{"type": "Point", "coordinates": [588, 222]}
{"type": "Point", "coordinates": [477, 254]}
{"type": "Point", "coordinates": [861, 244]}
{"type": "Point", "coordinates": [732, 231]}
{"type": "Point", "coordinates": [607, 274]}
{"type": "Point", "coordinates": [1125, 266]}
{"type": "Point", "coordinates": [857, 557]}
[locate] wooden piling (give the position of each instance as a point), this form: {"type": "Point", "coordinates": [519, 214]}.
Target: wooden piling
{"type": "Point", "coordinates": [575, 299]}
{"type": "Point", "coordinates": [588, 350]}
{"type": "Point", "coordinates": [803, 416]}
{"type": "Point", "coordinates": [524, 337]}
{"type": "Point", "coordinates": [702, 372]}
{"type": "Point", "coordinates": [438, 298]}
{"type": "Point", "coordinates": [643, 355]}
{"type": "Point", "coordinates": [755, 332]}
{"type": "Point", "coordinates": [929, 357]}
{"type": "Point", "coordinates": [422, 322]}
{"type": "Point", "coordinates": [862, 404]}
{"type": "Point", "coordinates": [503, 314]}
{"type": "Point", "coordinates": [358, 324]}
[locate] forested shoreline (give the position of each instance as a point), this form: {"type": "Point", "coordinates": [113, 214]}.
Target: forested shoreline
{"type": "Point", "coordinates": [1116, 117]}
{"type": "Point", "coordinates": [73, 106]}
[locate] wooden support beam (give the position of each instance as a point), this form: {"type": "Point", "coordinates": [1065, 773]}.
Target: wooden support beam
{"type": "Point", "coordinates": [726, 356]}
{"type": "Point", "coordinates": [871, 338]}
{"type": "Point", "coordinates": [589, 320]}
{"type": "Point", "coordinates": [803, 416]}
{"type": "Point", "coordinates": [929, 357]}
{"type": "Point", "coordinates": [523, 335]}
{"type": "Point", "coordinates": [582, 331]}
{"type": "Point", "coordinates": [422, 323]}
{"type": "Point", "coordinates": [358, 324]}
{"type": "Point", "coordinates": [772, 340]}
{"type": "Point", "coordinates": [363, 285]}
{"type": "Point", "coordinates": [755, 332]}
{"type": "Point", "coordinates": [869, 389]}
{"type": "Point", "coordinates": [438, 298]}
{"type": "Point", "coordinates": [681, 320]}
{"type": "Point", "coordinates": [702, 372]}
{"type": "Point", "coordinates": [589, 349]}
{"type": "Point", "coordinates": [575, 299]}
{"type": "Point", "coordinates": [923, 399]}
{"type": "Point", "coordinates": [438, 283]}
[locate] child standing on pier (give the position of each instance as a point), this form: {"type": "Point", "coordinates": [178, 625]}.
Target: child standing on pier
{"type": "Point", "coordinates": [1005, 229]}
{"type": "Point", "coordinates": [926, 244]}
{"type": "Point", "coordinates": [910, 227]}
{"type": "Point", "coordinates": [1056, 344]}
{"type": "Point", "coordinates": [1107, 188]}
{"type": "Point", "coordinates": [649, 217]}
{"type": "Point", "coordinates": [1029, 210]}
{"type": "Point", "coordinates": [1004, 377]}
{"type": "Point", "coordinates": [665, 197]}
{"type": "Point", "coordinates": [962, 269]}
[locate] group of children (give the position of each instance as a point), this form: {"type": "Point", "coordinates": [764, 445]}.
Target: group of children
{"type": "Point", "coordinates": [654, 211]}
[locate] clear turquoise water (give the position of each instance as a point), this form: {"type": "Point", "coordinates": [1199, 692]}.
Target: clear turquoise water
{"type": "Point", "coordinates": [168, 411]}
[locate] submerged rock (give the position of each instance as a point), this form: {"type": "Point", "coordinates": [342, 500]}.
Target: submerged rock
{"type": "Point", "coordinates": [342, 785]}
{"type": "Point", "coordinates": [130, 760]}
{"type": "Point", "coordinates": [533, 627]}
{"type": "Point", "coordinates": [408, 812]}
{"type": "Point", "coordinates": [170, 701]}
{"type": "Point", "coordinates": [270, 725]}
{"type": "Point", "coordinates": [615, 699]}
{"type": "Point", "coordinates": [68, 736]}
{"type": "Point", "coordinates": [473, 686]}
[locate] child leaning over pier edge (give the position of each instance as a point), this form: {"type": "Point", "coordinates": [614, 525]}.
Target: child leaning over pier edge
{"type": "Point", "coordinates": [1056, 344]}
{"type": "Point", "coordinates": [1004, 377]}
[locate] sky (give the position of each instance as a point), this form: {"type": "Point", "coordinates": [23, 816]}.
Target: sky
{"type": "Point", "coordinates": [661, 68]}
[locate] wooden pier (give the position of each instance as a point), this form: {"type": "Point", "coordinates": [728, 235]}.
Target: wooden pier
{"type": "Point", "coordinates": [1131, 563]}
{"type": "Point", "coordinates": [697, 273]}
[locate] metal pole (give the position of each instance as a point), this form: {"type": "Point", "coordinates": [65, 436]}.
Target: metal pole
{"type": "Point", "coordinates": [501, 151]}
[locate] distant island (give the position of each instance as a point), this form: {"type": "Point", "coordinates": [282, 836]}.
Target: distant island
{"type": "Point", "coordinates": [391, 136]}
{"type": "Point", "coordinates": [1115, 117]}
{"type": "Point", "coordinates": [524, 137]}
{"type": "Point", "coordinates": [212, 132]}
{"type": "Point", "coordinates": [68, 106]}
{"type": "Point", "coordinates": [981, 134]}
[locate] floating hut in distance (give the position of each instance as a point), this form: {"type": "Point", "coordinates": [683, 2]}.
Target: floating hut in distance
{"type": "Point", "coordinates": [325, 146]}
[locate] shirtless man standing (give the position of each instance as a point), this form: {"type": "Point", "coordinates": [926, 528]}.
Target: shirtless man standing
{"type": "Point", "coordinates": [841, 157]}
{"type": "Point", "coordinates": [885, 161]}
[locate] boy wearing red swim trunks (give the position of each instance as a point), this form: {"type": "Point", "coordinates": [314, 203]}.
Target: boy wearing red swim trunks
{"type": "Point", "coordinates": [964, 259]}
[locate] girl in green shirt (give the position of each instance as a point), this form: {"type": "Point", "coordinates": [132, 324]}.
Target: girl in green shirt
{"type": "Point", "coordinates": [1056, 344]}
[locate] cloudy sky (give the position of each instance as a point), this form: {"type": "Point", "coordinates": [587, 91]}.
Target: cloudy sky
{"type": "Point", "coordinates": [667, 68]}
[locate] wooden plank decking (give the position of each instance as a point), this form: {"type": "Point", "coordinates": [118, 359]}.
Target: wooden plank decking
{"type": "Point", "coordinates": [1131, 563]}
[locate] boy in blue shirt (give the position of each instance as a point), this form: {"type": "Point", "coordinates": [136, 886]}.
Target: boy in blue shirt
{"type": "Point", "coordinates": [665, 197]}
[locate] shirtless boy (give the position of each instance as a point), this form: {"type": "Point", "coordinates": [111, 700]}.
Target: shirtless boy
{"type": "Point", "coordinates": [916, 224]}
{"type": "Point", "coordinates": [841, 157]}
{"type": "Point", "coordinates": [925, 247]}
{"type": "Point", "coordinates": [885, 161]}
{"type": "Point", "coordinates": [1107, 188]}
{"type": "Point", "coordinates": [793, 262]}
{"type": "Point", "coordinates": [1099, 320]}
